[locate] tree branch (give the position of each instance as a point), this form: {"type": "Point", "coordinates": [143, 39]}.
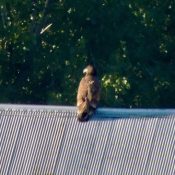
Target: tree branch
{"type": "Point", "coordinates": [3, 16]}
{"type": "Point", "coordinates": [43, 20]}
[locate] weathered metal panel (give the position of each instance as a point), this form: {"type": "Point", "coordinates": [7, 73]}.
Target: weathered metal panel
{"type": "Point", "coordinates": [49, 140]}
{"type": "Point", "coordinates": [163, 148]}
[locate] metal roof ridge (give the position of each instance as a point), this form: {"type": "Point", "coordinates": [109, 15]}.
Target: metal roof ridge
{"type": "Point", "coordinates": [107, 112]}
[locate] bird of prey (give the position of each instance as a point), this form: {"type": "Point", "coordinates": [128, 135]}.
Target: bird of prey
{"type": "Point", "coordinates": [88, 94]}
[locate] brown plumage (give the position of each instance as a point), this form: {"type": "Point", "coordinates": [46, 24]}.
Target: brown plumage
{"type": "Point", "coordinates": [88, 94]}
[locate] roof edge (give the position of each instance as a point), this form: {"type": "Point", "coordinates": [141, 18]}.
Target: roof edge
{"type": "Point", "coordinates": [107, 112]}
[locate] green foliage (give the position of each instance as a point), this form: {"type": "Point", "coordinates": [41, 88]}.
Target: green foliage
{"type": "Point", "coordinates": [45, 44]}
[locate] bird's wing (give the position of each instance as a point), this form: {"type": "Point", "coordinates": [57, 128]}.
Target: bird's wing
{"type": "Point", "coordinates": [88, 94]}
{"type": "Point", "coordinates": [82, 92]}
{"type": "Point", "coordinates": [82, 100]}
{"type": "Point", "coordinates": [94, 92]}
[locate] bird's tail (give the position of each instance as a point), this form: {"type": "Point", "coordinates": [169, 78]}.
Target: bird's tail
{"type": "Point", "coordinates": [83, 109]}
{"type": "Point", "coordinates": [83, 117]}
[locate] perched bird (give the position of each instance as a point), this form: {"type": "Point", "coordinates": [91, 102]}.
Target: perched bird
{"type": "Point", "coordinates": [88, 94]}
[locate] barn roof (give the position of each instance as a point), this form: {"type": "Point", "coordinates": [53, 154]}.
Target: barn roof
{"type": "Point", "coordinates": [48, 140]}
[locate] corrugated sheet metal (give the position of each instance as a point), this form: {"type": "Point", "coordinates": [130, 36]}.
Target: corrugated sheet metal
{"type": "Point", "coordinates": [48, 140]}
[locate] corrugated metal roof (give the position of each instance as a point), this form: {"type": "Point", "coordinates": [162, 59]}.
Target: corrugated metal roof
{"type": "Point", "coordinates": [48, 140]}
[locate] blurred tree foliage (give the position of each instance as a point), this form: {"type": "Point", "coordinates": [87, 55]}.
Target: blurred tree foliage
{"type": "Point", "coordinates": [45, 44]}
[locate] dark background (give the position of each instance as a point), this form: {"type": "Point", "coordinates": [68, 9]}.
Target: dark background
{"type": "Point", "coordinates": [45, 44]}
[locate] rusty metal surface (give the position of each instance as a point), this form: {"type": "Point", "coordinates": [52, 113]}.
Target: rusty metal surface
{"type": "Point", "coordinates": [48, 140]}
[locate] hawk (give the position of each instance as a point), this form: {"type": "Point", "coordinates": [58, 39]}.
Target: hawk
{"type": "Point", "coordinates": [88, 94]}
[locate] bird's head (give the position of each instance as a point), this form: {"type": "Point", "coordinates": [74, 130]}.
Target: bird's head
{"type": "Point", "coordinates": [90, 70]}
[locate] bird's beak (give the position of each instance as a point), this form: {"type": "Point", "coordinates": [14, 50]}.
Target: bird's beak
{"type": "Point", "coordinates": [85, 71]}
